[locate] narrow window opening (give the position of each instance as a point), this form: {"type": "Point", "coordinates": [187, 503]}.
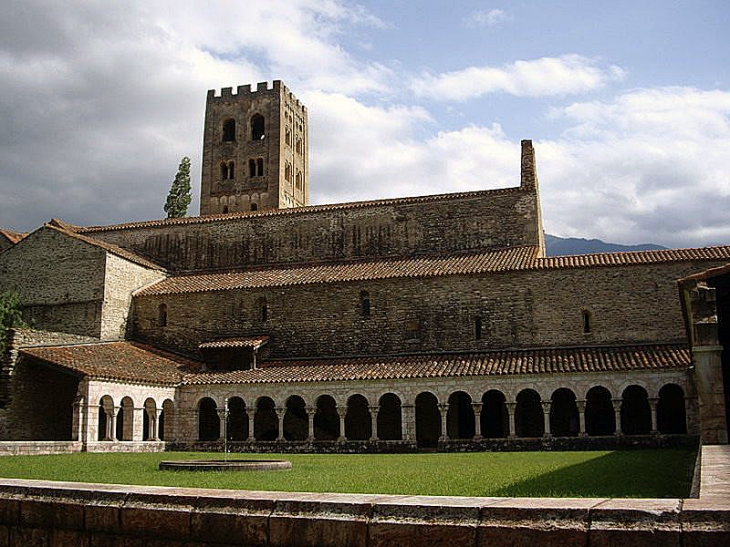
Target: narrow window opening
{"type": "Point", "coordinates": [162, 315]}
{"type": "Point", "coordinates": [299, 180]}
{"type": "Point", "coordinates": [251, 168]}
{"type": "Point", "coordinates": [260, 167]}
{"type": "Point", "coordinates": [287, 136]}
{"type": "Point", "coordinates": [365, 304]}
{"type": "Point", "coordinates": [254, 207]}
{"type": "Point", "coordinates": [231, 170]}
{"type": "Point", "coordinates": [478, 328]}
{"type": "Point", "coordinates": [263, 310]}
{"type": "Point", "coordinates": [586, 322]}
{"type": "Point", "coordinates": [225, 209]}
{"type": "Point", "coordinates": [299, 146]}
{"type": "Point", "coordinates": [257, 128]}
{"type": "Point", "coordinates": [224, 171]}
{"type": "Point", "coordinates": [229, 130]}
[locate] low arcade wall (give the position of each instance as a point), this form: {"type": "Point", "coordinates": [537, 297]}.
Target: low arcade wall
{"type": "Point", "coordinates": [63, 514]}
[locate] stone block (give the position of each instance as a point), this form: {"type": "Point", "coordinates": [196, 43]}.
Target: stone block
{"type": "Point", "coordinates": [52, 513]}
{"type": "Point", "coordinates": [156, 521]}
{"type": "Point", "coordinates": [310, 523]}
{"type": "Point", "coordinates": [231, 521]}
{"type": "Point", "coordinates": [706, 522]}
{"type": "Point", "coordinates": [636, 523]}
{"type": "Point", "coordinates": [9, 510]}
{"type": "Point", "coordinates": [69, 538]}
{"type": "Point", "coordinates": [30, 537]}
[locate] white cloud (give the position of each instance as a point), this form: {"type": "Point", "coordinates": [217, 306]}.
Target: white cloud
{"type": "Point", "coordinates": [650, 165]}
{"type": "Point", "coordinates": [487, 18]}
{"type": "Point", "coordinates": [562, 75]}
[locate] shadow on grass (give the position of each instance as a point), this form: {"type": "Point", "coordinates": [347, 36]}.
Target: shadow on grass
{"type": "Point", "coordinates": [619, 474]}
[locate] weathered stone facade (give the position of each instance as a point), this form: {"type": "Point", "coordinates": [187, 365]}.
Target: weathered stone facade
{"type": "Point", "coordinates": [431, 321]}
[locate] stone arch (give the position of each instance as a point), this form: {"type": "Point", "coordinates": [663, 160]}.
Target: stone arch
{"type": "Point", "coordinates": [167, 419]}
{"type": "Point", "coordinates": [326, 419]}
{"type": "Point", "coordinates": [460, 422]}
{"type": "Point", "coordinates": [635, 411]}
{"type": "Point", "coordinates": [258, 127]}
{"type": "Point", "coordinates": [600, 417]}
{"type": "Point", "coordinates": [671, 415]}
{"type": "Point", "coordinates": [296, 421]}
{"type": "Point", "coordinates": [390, 418]}
{"type": "Point", "coordinates": [564, 419]}
{"type": "Point", "coordinates": [209, 423]}
{"type": "Point", "coordinates": [125, 420]}
{"type": "Point", "coordinates": [228, 133]}
{"type": "Point", "coordinates": [529, 418]}
{"type": "Point", "coordinates": [494, 417]}
{"type": "Point", "coordinates": [266, 421]}
{"type": "Point", "coordinates": [428, 420]}
{"type": "Point", "coordinates": [237, 420]}
{"type": "Point", "coordinates": [358, 421]}
{"type": "Point", "coordinates": [149, 420]}
{"type": "Point", "coordinates": [106, 418]}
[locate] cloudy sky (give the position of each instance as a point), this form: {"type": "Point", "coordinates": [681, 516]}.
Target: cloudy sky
{"type": "Point", "coordinates": [627, 103]}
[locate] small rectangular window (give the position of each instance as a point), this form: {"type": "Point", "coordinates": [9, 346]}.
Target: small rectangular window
{"type": "Point", "coordinates": [478, 328]}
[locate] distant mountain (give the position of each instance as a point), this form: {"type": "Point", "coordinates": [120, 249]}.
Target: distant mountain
{"type": "Point", "coordinates": [560, 246]}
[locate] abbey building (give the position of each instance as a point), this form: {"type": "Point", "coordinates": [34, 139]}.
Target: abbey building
{"type": "Point", "coordinates": [431, 321]}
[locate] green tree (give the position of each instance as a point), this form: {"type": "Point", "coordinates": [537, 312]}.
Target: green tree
{"type": "Point", "coordinates": [10, 315]}
{"type": "Point", "coordinates": [179, 197]}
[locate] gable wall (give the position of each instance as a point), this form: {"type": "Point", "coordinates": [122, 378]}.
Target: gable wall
{"type": "Point", "coordinates": [60, 281]}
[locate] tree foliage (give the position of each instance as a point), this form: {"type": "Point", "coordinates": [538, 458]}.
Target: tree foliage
{"type": "Point", "coordinates": [179, 197]}
{"type": "Point", "coordinates": [10, 315]}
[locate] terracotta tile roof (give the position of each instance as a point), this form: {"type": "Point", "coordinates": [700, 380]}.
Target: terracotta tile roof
{"type": "Point", "coordinates": [253, 343]}
{"type": "Point", "coordinates": [12, 237]}
{"type": "Point", "coordinates": [492, 363]}
{"type": "Point", "coordinates": [490, 261]}
{"type": "Point", "coordinates": [509, 259]}
{"type": "Point", "coordinates": [70, 231]}
{"type": "Point", "coordinates": [117, 361]}
{"type": "Point", "coordinates": [707, 274]}
{"type": "Point", "coordinates": [633, 257]}
{"type": "Point", "coordinates": [298, 210]}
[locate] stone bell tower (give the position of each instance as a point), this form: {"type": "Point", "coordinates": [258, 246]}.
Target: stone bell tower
{"type": "Point", "coordinates": [255, 150]}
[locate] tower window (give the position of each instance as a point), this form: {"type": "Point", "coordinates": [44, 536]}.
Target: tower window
{"type": "Point", "coordinates": [229, 130]}
{"type": "Point", "coordinates": [299, 180]}
{"type": "Point", "coordinates": [287, 172]}
{"type": "Point", "coordinates": [478, 328]}
{"type": "Point", "coordinates": [251, 168]}
{"type": "Point", "coordinates": [260, 167]}
{"type": "Point", "coordinates": [254, 207]}
{"type": "Point", "coordinates": [365, 304]}
{"type": "Point", "coordinates": [287, 136]}
{"type": "Point", "coordinates": [162, 315]}
{"type": "Point", "coordinates": [224, 171]}
{"type": "Point", "coordinates": [586, 316]}
{"type": "Point", "coordinates": [299, 146]}
{"type": "Point", "coordinates": [225, 209]}
{"type": "Point", "coordinates": [231, 170]}
{"type": "Point", "coordinates": [257, 127]}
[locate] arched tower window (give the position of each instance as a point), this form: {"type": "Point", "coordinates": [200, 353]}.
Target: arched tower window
{"type": "Point", "coordinates": [365, 303]}
{"type": "Point", "coordinates": [260, 167]}
{"type": "Point", "coordinates": [287, 136]}
{"type": "Point", "coordinates": [299, 146]}
{"type": "Point", "coordinates": [299, 180]}
{"type": "Point", "coordinates": [162, 315]}
{"type": "Point", "coordinates": [225, 209]}
{"type": "Point", "coordinates": [287, 172]}
{"type": "Point", "coordinates": [254, 207]}
{"type": "Point", "coordinates": [231, 170]}
{"type": "Point", "coordinates": [251, 168]}
{"type": "Point", "coordinates": [257, 127]}
{"type": "Point", "coordinates": [229, 130]}
{"type": "Point", "coordinates": [224, 171]}
{"type": "Point", "coordinates": [478, 328]}
{"type": "Point", "coordinates": [586, 319]}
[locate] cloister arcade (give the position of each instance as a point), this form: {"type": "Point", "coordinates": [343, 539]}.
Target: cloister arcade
{"type": "Point", "coordinates": [429, 418]}
{"type": "Point", "coordinates": [126, 422]}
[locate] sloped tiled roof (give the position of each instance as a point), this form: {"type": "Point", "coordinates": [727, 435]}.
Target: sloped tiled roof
{"type": "Point", "coordinates": [298, 210]}
{"type": "Point", "coordinates": [253, 343]}
{"type": "Point", "coordinates": [12, 237]}
{"type": "Point", "coordinates": [117, 361]}
{"type": "Point", "coordinates": [136, 363]}
{"type": "Point", "coordinates": [70, 231]}
{"type": "Point", "coordinates": [492, 363]}
{"type": "Point", "coordinates": [502, 260]}
{"type": "Point", "coordinates": [490, 261]}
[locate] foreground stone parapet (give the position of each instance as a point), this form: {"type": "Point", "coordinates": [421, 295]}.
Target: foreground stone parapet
{"type": "Point", "coordinates": [86, 515]}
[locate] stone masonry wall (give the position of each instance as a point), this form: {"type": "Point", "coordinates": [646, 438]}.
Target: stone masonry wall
{"type": "Point", "coordinates": [63, 514]}
{"type": "Point", "coordinates": [60, 281]}
{"type": "Point", "coordinates": [628, 304]}
{"type": "Point", "coordinates": [399, 228]}
{"type": "Point", "coordinates": [121, 280]}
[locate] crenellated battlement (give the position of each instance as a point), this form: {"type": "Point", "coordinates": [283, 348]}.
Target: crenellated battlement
{"type": "Point", "coordinates": [277, 87]}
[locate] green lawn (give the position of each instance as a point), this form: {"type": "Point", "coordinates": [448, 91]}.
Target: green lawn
{"type": "Point", "coordinates": [637, 473]}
